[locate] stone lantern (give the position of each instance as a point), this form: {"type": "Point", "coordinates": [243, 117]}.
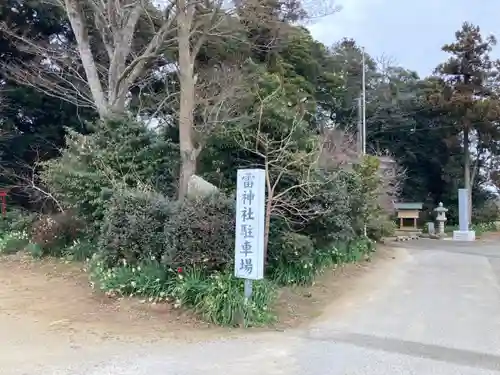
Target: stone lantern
{"type": "Point", "coordinates": [441, 218]}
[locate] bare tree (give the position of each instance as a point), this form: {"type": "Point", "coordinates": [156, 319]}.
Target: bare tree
{"type": "Point", "coordinates": [221, 94]}
{"type": "Point", "coordinates": [104, 82]}
{"type": "Point", "coordinates": [100, 82]}
{"type": "Point", "coordinates": [281, 161]}
{"type": "Point", "coordinates": [24, 179]}
{"type": "Point", "coordinates": [339, 151]}
{"type": "Point", "coordinates": [197, 22]}
{"type": "Point", "coordinates": [392, 176]}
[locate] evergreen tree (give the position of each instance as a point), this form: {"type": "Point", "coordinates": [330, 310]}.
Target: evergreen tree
{"type": "Point", "coordinates": [470, 97]}
{"type": "Point", "coordinates": [32, 122]}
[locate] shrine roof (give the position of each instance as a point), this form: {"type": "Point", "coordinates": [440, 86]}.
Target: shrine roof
{"type": "Point", "coordinates": [409, 206]}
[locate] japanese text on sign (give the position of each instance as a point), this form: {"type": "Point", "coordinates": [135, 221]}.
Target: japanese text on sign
{"type": "Point", "coordinates": [250, 214]}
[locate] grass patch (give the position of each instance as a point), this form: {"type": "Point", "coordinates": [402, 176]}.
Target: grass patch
{"type": "Point", "coordinates": [80, 250]}
{"type": "Point", "coordinates": [216, 297]}
{"type": "Point", "coordinates": [303, 271]}
{"type": "Point", "coordinates": [479, 228]}
{"type": "Point", "coordinates": [12, 242]}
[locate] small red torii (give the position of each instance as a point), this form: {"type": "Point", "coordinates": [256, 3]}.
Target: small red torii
{"type": "Point", "coordinates": [3, 195]}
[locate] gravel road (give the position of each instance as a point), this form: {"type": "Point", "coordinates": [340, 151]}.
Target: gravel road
{"type": "Point", "coordinates": [436, 312]}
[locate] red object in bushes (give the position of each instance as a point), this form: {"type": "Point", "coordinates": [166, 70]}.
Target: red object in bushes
{"type": "Point", "coordinates": [179, 270]}
{"type": "Point", "coordinates": [3, 194]}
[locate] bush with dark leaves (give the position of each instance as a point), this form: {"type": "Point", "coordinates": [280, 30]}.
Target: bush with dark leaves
{"type": "Point", "coordinates": [200, 232]}
{"type": "Point", "coordinates": [133, 227]}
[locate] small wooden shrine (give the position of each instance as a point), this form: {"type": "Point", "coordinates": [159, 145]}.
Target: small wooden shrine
{"type": "Point", "coordinates": [408, 211]}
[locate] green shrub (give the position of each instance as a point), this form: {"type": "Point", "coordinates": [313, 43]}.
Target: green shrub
{"type": "Point", "coordinates": [481, 228]}
{"type": "Point", "coordinates": [332, 255]}
{"type": "Point", "coordinates": [12, 242]}
{"type": "Point", "coordinates": [364, 186]}
{"type": "Point", "coordinates": [35, 250]}
{"type": "Point", "coordinates": [200, 232]}
{"type": "Point", "coordinates": [291, 259]}
{"type": "Point", "coordinates": [142, 225]}
{"type": "Point", "coordinates": [358, 249]}
{"type": "Point", "coordinates": [488, 212]}
{"type": "Point", "coordinates": [294, 247]}
{"type": "Point", "coordinates": [80, 250]}
{"type": "Point", "coordinates": [294, 260]}
{"type": "Point", "coordinates": [333, 201]}
{"type": "Point", "coordinates": [117, 154]}
{"type": "Point", "coordinates": [18, 220]}
{"type": "Point", "coordinates": [345, 205]}
{"type": "Point", "coordinates": [343, 252]}
{"type": "Point", "coordinates": [380, 227]}
{"type": "Point", "coordinates": [133, 228]}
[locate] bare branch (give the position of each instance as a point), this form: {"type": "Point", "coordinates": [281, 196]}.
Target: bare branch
{"type": "Point", "coordinates": [80, 74]}
{"type": "Point", "coordinates": [392, 177]}
{"type": "Point", "coordinates": [28, 182]}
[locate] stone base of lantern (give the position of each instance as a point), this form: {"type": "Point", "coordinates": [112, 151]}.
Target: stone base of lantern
{"type": "Point", "coordinates": [468, 235]}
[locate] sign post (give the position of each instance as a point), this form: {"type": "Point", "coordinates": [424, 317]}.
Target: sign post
{"type": "Point", "coordinates": [250, 225]}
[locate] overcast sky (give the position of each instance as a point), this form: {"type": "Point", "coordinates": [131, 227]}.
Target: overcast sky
{"type": "Point", "coordinates": [410, 32]}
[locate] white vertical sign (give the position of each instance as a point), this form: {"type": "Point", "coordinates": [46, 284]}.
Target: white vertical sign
{"type": "Point", "coordinates": [463, 209]}
{"type": "Point", "coordinates": [250, 223]}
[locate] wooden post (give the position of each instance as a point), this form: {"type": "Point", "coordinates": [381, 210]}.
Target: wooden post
{"type": "Point", "coordinates": [400, 223]}
{"type": "Point", "coordinates": [414, 223]}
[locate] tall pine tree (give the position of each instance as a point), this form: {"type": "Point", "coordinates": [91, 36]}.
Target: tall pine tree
{"type": "Point", "coordinates": [471, 97]}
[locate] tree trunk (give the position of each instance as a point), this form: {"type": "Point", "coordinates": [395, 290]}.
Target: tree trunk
{"type": "Point", "coordinates": [269, 208]}
{"type": "Point", "coordinates": [188, 169]}
{"type": "Point", "coordinates": [76, 19]}
{"type": "Point", "coordinates": [267, 225]}
{"type": "Point", "coordinates": [117, 108]}
{"type": "Point", "coordinates": [186, 79]}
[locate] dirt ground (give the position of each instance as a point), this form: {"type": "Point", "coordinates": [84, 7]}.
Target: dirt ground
{"type": "Point", "coordinates": [299, 306]}
{"type": "Point", "coordinates": [47, 307]}
{"type": "Point", "coordinates": [489, 237]}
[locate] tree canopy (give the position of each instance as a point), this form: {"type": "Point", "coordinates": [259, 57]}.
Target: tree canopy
{"type": "Point", "coordinates": [202, 75]}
